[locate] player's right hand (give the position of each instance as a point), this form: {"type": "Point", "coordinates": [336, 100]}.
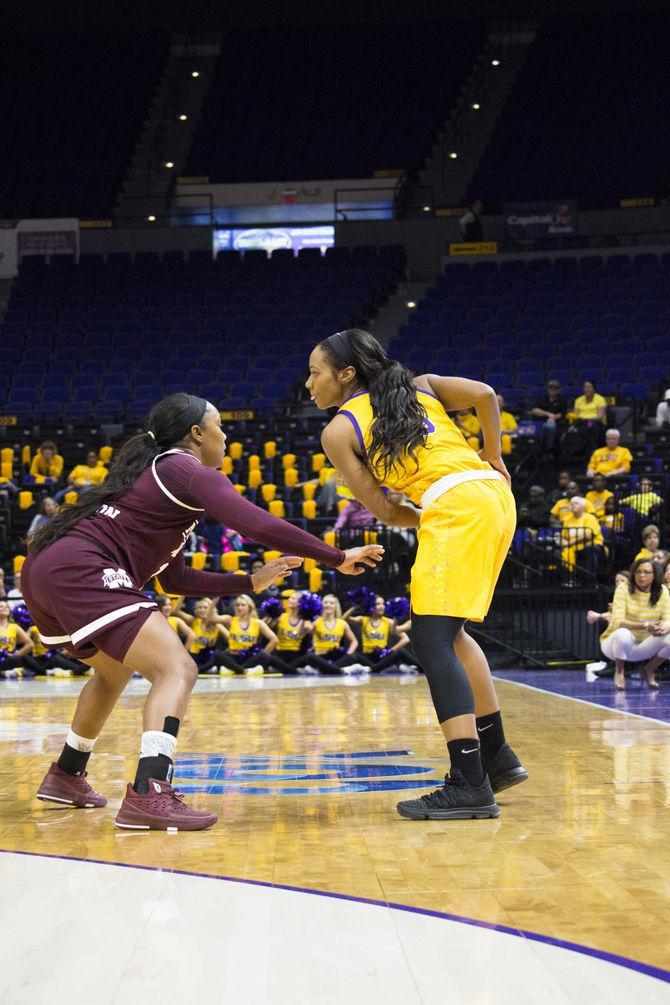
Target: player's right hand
{"type": "Point", "coordinates": [278, 568]}
{"type": "Point", "coordinates": [356, 558]}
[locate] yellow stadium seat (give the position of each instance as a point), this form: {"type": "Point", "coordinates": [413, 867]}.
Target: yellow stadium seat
{"type": "Point", "coordinates": [506, 443]}
{"type": "Point", "coordinates": [325, 474]}
{"type": "Point", "coordinates": [254, 462]}
{"type": "Point", "coordinates": [268, 492]}
{"type": "Point", "coordinates": [25, 500]}
{"type": "Point", "coordinates": [18, 563]}
{"type": "Point", "coordinates": [105, 454]}
{"type": "Point", "coordinates": [70, 497]}
{"type": "Point", "coordinates": [329, 538]}
{"type": "Point", "coordinates": [269, 556]}
{"type": "Point", "coordinates": [7, 455]}
{"type": "Point", "coordinates": [342, 504]}
{"type": "Point", "coordinates": [369, 537]}
{"type": "Point", "coordinates": [199, 560]}
{"type": "Point", "coordinates": [241, 489]}
{"type": "Point", "coordinates": [227, 466]}
{"type": "Point", "coordinates": [26, 455]}
{"type": "Point", "coordinates": [315, 580]}
{"type": "Point", "coordinates": [276, 507]}
{"type": "Point", "coordinates": [308, 491]}
{"type": "Point", "coordinates": [230, 561]}
{"type": "Point", "coordinates": [309, 509]}
{"type": "Point", "coordinates": [288, 460]}
{"type": "Point", "coordinates": [290, 477]}
{"type": "Point", "coordinates": [309, 564]}
{"type": "Point", "coordinates": [318, 461]}
{"type": "Point", "coordinates": [235, 450]}
{"type": "Point", "coordinates": [6, 470]}
{"type": "Point", "coordinates": [270, 449]}
{"type": "Point", "coordinates": [255, 478]}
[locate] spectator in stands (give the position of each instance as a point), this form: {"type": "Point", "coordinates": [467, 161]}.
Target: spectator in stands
{"type": "Point", "coordinates": [470, 224]}
{"type": "Point", "coordinates": [3, 592]}
{"type": "Point", "coordinates": [468, 423]}
{"type": "Point", "coordinates": [552, 409]}
{"type": "Point", "coordinates": [612, 521]}
{"type": "Point", "coordinates": [15, 646]}
{"type": "Point", "coordinates": [612, 460]}
{"type": "Point", "coordinates": [354, 516]}
{"type": "Point", "coordinates": [46, 512]}
{"type": "Point", "coordinates": [15, 595]}
{"type": "Point", "coordinates": [561, 509]}
{"type": "Point", "coordinates": [598, 495]}
{"type": "Point", "coordinates": [581, 536]}
{"type": "Point", "coordinates": [535, 512]}
{"type": "Point", "coordinates": [651, 540]}
{"type": "Point", "coordinates": [8, 488]}
{"type": "Point", "coordinates": [564, 479]}
{"type": "Point", "coordinates": [645, 501]}
{"type": "Point", "coordinates": [47, 464]}
{"type": "Point", "coordinates": [663, 410]}
{"type": "Point", "coordinates": [639, 627]}
{"type": "Point", "coordinates": [508, 426]}
{"type": "Point", "coordinates": [589, 413]}
{"type": "Point", "coordinates": [84, 476]}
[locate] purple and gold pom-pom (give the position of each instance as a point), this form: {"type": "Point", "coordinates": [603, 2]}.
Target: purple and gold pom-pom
{"type": "Point", "coordinates": [397, 608]}
{"type": "Point", "coordinates": [362, 598]}
{"type": "Point", "coordinates": [271, 608]}
{"type": "Point", "coordinates": [21, 615]}
{"type": "Point", "coordinates": [310, 606]}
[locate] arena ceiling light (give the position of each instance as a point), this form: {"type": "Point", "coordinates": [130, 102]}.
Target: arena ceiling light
{"type": "Point", "coordinates": [426, 209]}
{"type": "Point", "coordinates": [195, 73]}
{"type": "Point", "coordinates": [169, 164]}
{"type": "Point", "coordinates": [495, 62]}
{"type": "Point", "coordinates": [453, 155]}
{"type": "Point", "coordinates": [183, 118]}
{"type": "Point", "coordinates": [151, 218]}
{"type": "Point", "coordinates": [476, 106]}
{"type": "Point", "coordinates": [411, 303]}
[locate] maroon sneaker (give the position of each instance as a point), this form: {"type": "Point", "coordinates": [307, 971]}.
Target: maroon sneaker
{"type": "Point", "coordinates": [161, 809]}
{"type": "Point", "coordinates": [59, 787]}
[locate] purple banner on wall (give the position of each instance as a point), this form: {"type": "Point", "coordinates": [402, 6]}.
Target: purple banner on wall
{"type": "Point", "coordinates": [529, 221]}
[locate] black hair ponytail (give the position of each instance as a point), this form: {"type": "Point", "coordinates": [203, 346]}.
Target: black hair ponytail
{"type": "Point", "coordinates": [170, 421]}
{"type": "Point", "coordinates": [399, 424]}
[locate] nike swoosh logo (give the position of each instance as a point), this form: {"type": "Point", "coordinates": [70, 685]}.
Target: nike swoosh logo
{"type": "Point", "coordinates": [481, 730]}
{"type": "Point", "coordinates": [473, 751]}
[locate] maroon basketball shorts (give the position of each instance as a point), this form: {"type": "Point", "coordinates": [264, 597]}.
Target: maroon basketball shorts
{"type": "Point", "coordinates": [81, 600]}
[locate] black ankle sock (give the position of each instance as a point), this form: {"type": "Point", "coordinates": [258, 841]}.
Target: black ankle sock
{"type": "Point", "coordinates": [159, 767]}
{"type": "Point", "coordinates": [466, 758]}
{"type": "Point", "coordinates": [491, 734]}
{"type": "Point", "coordinates": [73, 761]}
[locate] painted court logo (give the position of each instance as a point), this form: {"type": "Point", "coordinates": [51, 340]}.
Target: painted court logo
{"type": "Point", "coordinates": [304, 774]}
{"type": "Point", "coordinates": [114, 578]}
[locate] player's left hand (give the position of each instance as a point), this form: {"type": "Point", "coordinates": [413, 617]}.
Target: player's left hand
{"type": "Point", "coordinates": [356, 558]}
{"type": "Point", "coordinates": [497, 463]}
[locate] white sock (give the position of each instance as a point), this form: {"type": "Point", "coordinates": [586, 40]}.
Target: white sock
{"type": "Point", "coordinates": [155, 742]}
{"type": "Point", "coordinates": [80, 742]}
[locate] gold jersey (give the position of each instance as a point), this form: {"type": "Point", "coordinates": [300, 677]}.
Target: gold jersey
{"type": "Point", "coordinates": [444, 453]}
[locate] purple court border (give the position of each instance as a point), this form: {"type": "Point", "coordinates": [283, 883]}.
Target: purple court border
{"type": "Point", "coordinates": [548, 940]}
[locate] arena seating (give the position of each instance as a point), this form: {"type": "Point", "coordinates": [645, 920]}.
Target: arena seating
{"type": "Point", "coordinates": [383, 93]}
{"type": "Point", "coordinates": [516, 324]}
{"type": "Point", "coordinates": [73, 107]}
{"type": "Point", "coordinates": [105, 339]}
{"type": "Point", "coordinates": [585, 116]}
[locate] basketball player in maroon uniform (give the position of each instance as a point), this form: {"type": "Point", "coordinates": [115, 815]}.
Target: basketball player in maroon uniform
{"type": "Point", "coordinates": [82, 584]}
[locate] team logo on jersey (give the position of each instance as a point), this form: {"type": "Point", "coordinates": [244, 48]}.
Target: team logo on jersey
{"type": "Point", "coordinates": [115, 578]}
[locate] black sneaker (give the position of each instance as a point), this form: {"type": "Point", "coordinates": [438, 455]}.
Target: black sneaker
{"type": "Point", "coordinates": [458, 799]}
{"type": "Point", "coordinates": [505, 769]}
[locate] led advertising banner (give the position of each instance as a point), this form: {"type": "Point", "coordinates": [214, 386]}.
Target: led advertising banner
{"type": "Point", "coordinates": [273, 238]}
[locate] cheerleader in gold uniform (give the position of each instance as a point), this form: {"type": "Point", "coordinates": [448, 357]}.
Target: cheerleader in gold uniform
{"type": "Point", "coordinates": [330, 633]}
{"type": "Point", "coordinates": [291, 630]}
{"type": "Point", "coordinates": [207, 629]}
{"type": "Point", "coordinates": [393, 431]}
{"type": "Point", "coordinates": [245, 653]}
{"type": "Point", "coordinates": [376, 631]}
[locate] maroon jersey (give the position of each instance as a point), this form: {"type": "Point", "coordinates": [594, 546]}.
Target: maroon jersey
{"type": "Point", "coordinates": [144, 531]}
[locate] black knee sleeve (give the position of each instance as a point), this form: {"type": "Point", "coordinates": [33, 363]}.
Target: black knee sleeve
{"type": "Point", "coordinates": [433, 642]}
